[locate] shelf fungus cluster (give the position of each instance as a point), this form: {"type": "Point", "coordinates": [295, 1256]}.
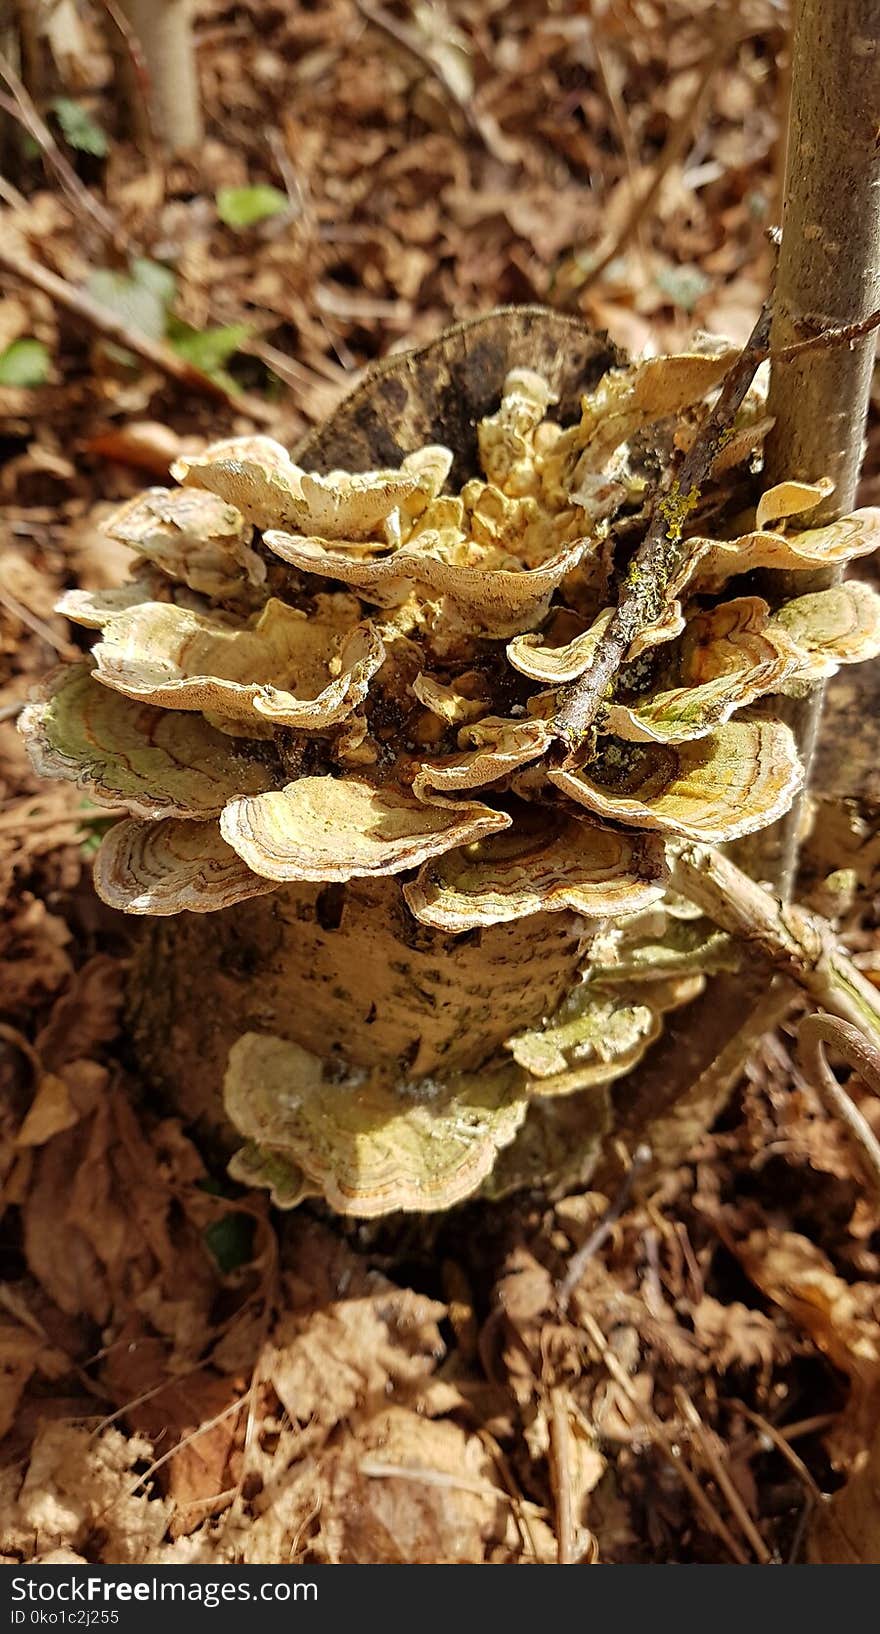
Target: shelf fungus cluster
{"type": "Point", "coordinates": [325, 705]}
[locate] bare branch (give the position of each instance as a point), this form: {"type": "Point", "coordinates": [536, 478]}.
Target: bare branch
{"type": "Point", "coordinates": [844, 336]}
{"type": "Point", "coordinates": [114, 328]}
{"type": "Point", "coordinates": [814, 1033]}
{"type": "Point", "coordinates": [579, 1261]}
{"type": "Point", "coordinates": [560, 1453]}
{"type": "Point", "coordinates": [662, 555]}
{"type": "Point", "coordinates": [801, 944]}
{"type": "Point", "coordinates": [21, 107]}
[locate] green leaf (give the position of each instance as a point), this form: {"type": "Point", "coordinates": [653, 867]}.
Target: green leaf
{"type": "Point", "coordinates": [24, 363]}
{"type": "Point", "coordinates": [152, 275]}
{"type": "Point", "coordinates": [208, 349]}
{"type": "Point", "coordinates": [79, 128]}
{"type": "Point", "coordinates": [141, 297]}
{"type": "Point", "coordinates": [230, 1240]}
{"type": "Point", "coordinates": [246, 206]}
{"type": "Point", "coordinates": [93, 825]}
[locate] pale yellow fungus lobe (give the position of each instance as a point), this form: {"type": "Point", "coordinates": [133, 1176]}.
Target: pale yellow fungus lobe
{"type": "Point", "coordinates": [172, 867]}
{"type": "Point", "coordinates": [368, 1147]}
{"type": "Point", "coordinates": [546, 862]}
{"type": "Point", "coordinates": [328, 828]}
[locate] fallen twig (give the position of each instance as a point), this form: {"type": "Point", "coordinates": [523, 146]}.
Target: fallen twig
{"type": "Point", "coordinates": [783, 1445]}
{"type": "Point", "coordinates": [720, 1476]}
{"type": "Point", "coordinates": [519, 1506]}
{"type": "Point", "coordinates": [21, 107]}
{"type": "Point", "coordinates": [671, 153]}
{"type": "Point", "coordinates": [560, 1455]}
{"type": "Point", "coordinates": [801, 944]}
{"type": "Point", "coordinates": [114, 328]}
{"type": "Point", "coordinates": [579, 1261]}
{"type": "Point", "coordinates": [578, 278]}
{"type": "Point", "coordinates": [668, 1444]}
{"type": "Point", "coordinates": [404, 35]}
{"type": "Point", "coordinates": [814, 1032]}
{"type": "Point", "coordinates": [844, 336]}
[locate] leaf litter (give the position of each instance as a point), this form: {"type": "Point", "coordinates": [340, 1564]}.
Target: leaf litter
{"type": "Point", "coordinates": [184, 1376]}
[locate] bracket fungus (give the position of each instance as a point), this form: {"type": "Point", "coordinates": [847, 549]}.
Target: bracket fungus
{"type": "Point", "coordinates": [324, 712]}
{"type": "Point", "coordinates": [175, 658]}
{"type": "Point", "coordinates": [195, 539]}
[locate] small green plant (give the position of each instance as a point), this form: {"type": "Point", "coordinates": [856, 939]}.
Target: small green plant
{"type": "Point", "coordinates": [25, 362]}
{"type": "Point", "coordinates": [244, 207]}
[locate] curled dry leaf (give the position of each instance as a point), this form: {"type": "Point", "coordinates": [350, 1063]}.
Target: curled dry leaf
{"type": "Point", "coordinates": [413, 1491]}
{"type": "Point", "coordinates": [80, 1486]}
{"type": "Point", "coordinates": [347, 1336]}
{"type": "Point", "coordinates": [845, 1531]}
{"type": "Point", "coordinates": [171, 867]}
{"type": "Point", "coordinates": [51, 1111]}
{"type": "Point", "coordinates": [548, 861]}
{"type": "Point", "coordinates": [371, 1147]}
{"type": "Point", "coordinates": [24, 1352]}
{"type": "Point", "coordinates": [157, 763]}
{"type": "Point", "coordinates": [327, 828]}
{"type": "Point", "coordinates": [839, 1316]}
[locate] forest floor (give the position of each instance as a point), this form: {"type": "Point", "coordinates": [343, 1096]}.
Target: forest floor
{"type": "Point", "coordinates": [186, 1376]}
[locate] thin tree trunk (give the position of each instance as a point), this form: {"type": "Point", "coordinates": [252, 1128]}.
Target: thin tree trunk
{"type": "Point", "coordinates": [828, 277]}
{"type": "Point", "coordinates": [164, 32]}
{"type": "Point", "coordinates": [829, 263]}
